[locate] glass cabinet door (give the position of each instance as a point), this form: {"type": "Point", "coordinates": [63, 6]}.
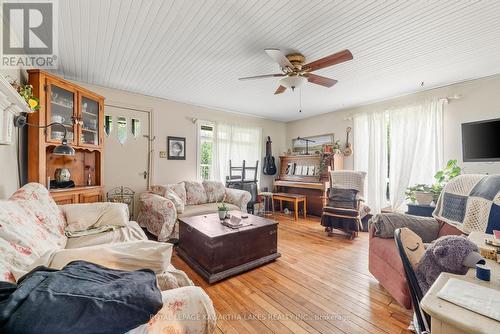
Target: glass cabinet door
{"type": "Point", "coordinates": [61, 110]}
{"type": "Point", "coordinates": [89, 122]}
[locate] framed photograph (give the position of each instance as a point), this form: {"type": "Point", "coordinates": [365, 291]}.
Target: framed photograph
{"type": "Point", "coordinates": [315, 146]}
{"type": "Point", "coordinates": [176, 148]}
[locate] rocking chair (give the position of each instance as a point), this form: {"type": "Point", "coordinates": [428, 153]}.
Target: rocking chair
{"type": "Point", "coordinates": [344, 207]}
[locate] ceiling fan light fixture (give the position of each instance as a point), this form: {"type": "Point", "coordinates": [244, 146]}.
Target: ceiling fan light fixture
{"type": "Point", "coordinates": [293, 81]}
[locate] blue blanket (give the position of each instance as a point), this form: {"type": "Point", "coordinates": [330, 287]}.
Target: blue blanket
{"type": "Point", "coordinates": [81, 298]}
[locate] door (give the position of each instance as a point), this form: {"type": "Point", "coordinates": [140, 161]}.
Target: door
{"type": "Point", "coordinates": [126, 150]}
{"type": "Point", "coordinates": [61, 108]}
{"type": "Point", "coordinates": [90, 122]}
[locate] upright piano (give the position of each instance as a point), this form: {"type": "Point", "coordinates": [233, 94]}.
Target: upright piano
{"type": "Point", "coordinates": [307, 175]}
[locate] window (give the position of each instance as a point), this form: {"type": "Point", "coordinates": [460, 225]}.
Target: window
{"type": "Point", "coordinates": [205, 151]}
{"type": "Point", "coordinates": [219, 143]}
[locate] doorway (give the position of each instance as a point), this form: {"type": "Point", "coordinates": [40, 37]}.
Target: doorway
{"type": "Point", "coordinates": [127, 149]}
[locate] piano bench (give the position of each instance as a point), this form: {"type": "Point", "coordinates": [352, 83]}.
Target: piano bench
{"type": "Point", "coordinates": [293, 198]}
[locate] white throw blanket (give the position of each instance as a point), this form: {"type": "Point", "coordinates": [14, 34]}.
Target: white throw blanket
{"type": "Point", "coordinates": [94, 218]}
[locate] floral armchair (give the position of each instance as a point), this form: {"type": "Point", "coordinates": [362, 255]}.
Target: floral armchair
{"type": "Point", "coordinates": [164, 204]}
{"type": "Point", "coordinates": [34, 231]}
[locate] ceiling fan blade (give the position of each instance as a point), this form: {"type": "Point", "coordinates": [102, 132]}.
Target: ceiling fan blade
{"type": "Point", "coordinates": [280, 90]}
{"type": "Point", "coordinates": [330, 60]}
{"type": "Point", "coordinates": [262, 76]}
{"type": "Point", "coordinates": [319, 80]}
{"type": "Point", "coordinates": [278, 57]}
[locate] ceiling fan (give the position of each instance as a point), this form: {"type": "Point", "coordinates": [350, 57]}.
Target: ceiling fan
{"type": "Point", "coordinates": [295, 72]}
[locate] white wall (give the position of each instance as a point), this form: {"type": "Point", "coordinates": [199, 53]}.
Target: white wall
{"type": "Point", "coordinates": [480, 100]}
{"type": "Point", "coordinates": [175, 119]}
{"type": "Point", "coordinates": [9, 177]}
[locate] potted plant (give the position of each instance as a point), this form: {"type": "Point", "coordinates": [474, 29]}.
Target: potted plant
{"type": "Point", "coordinates": [424, 194]}
{"type": "Point", "coordinates": [451, 171]}
{"type": "Point", "coordinates": [222, 208]}
{"type": "Point", "coordinates": [26, 91]}
{"type": "Point", "coordinates": [420, 193]}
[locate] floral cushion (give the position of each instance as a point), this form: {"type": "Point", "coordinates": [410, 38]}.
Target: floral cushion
{"type": "Point", "coordinates": [215, 191]}
{"type": "Point", "coordinates": [178, 188]}
{"type": "Point", "coordinates": [178, 203]}
{"type": "Point", "coordinates": [195, 193]}
{"type": "Point", "coordinates": [30, 225]}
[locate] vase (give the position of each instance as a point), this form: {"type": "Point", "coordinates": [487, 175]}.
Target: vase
{"type": "Point", "coordinates": [62, 175]}
{"type": "Point", "coordinates": [222, 215]}
{"type": "Point", "coordinates": [424, 197]}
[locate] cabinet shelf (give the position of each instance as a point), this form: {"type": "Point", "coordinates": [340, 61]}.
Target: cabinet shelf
{"type": "Point", "coordinates": [61, 105]}
{"type": "Point", "coordinates": [89, 113]}
{"type": "Point", "coordinates": [85, 136]}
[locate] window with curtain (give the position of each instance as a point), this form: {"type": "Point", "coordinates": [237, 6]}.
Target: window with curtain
{"type": "Point", "coordinates": [219, 142]}
{"type": "Point", "coordinates": [398, 148]}
{"type": "Point", "coordinates": [236, 143]}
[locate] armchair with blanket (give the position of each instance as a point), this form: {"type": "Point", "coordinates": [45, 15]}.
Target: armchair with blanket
{"type": "Point", "coordinates": [467, 203]}
{"type": "Point", "coordinates": [163, 204]}
{"type": "Point", "coordinates": [35, 231]}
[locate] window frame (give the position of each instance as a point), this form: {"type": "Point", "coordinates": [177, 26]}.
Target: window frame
{"type": "Point", "coordinates": [199, 125]}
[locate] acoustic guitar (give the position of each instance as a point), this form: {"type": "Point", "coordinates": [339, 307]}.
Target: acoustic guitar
{"type": "Point", "coordinates": [348, 146]}
{"type": "Point", "coordinates": [269, 163]}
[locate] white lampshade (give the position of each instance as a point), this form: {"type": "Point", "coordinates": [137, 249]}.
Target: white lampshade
{"type": "Point", "coordinates": [294, 81]}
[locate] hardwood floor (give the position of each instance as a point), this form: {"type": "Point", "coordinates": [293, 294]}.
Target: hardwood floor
{"type": "Point", "coordinates": [320, 284]}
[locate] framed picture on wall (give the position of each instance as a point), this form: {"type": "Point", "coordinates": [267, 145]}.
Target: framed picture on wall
{"type": "Point", "coordinates": [176, 148]}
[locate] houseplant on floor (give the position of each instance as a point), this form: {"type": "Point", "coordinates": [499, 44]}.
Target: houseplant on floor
{"type": "Point", "coordinates": [425, 194]}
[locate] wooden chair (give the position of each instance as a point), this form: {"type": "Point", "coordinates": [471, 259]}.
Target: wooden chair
{"type": "Point", "coordinates": [346, 214]}
{"type": "Point", "coordinates": [237, 179]}
{"type": "Point", "coordinates": [239, 173]}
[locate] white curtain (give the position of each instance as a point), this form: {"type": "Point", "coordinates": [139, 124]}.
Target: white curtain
{"type": "Point", "coordinates": [416, 147]}
{"type": "Point", "coordinates": [370, 156]}
{"type": "Point", "coordinates": [236, 143]}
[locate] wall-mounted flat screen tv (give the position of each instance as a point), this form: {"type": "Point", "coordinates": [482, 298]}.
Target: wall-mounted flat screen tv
{"type": "Point", "coordinates": [481, 140]}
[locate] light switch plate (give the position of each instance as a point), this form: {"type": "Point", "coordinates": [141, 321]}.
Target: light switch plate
{"type": "Point", "coordinates": [163, 154]}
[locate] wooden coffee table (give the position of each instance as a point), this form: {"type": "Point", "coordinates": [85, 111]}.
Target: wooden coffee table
{"type": "Point", "coordinates": [216, 252]}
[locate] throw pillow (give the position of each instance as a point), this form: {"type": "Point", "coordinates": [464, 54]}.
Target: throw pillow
{"type": "Point", "coordinates": [413, 245]}
{"type": "Point", "coordinates": [178, 203]}
{"type": "Point", "coordinates": [82, 217]}
{"type": "Point", "coordinates": [195, 193]}
{"type": "Point", "coordinates": [179, 189]}
{"type": "Point", "coordinates": [215, 190]}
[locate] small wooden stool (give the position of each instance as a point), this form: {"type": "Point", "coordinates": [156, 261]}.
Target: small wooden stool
{"type": "Point", "coordinates": [293, 198]}
{"type": "Point", "coordinates": [267, 202]}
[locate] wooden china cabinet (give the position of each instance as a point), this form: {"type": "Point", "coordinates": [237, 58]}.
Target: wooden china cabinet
{"type": "Point", "coordinates": [82, 114]}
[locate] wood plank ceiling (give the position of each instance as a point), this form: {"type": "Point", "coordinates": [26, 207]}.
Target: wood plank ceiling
{"type": "Point", "coordinates": [193, 51]}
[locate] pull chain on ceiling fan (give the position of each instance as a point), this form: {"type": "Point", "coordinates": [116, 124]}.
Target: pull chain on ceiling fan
{"type": "Point", "coordinates": [295, 72]}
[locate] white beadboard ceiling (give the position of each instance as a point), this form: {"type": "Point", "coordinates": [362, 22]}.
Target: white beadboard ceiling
{"type": "Point", "coordinates": [193, 51]}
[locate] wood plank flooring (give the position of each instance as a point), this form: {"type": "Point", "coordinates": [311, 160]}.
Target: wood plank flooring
{"type": "Point", "coordinates": [320, 284]}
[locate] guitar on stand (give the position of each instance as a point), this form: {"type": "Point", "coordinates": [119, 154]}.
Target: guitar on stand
{"type": "Point", "coordinates": [269, 163]}
{"type": "Point", "coordinates": [348, 146]}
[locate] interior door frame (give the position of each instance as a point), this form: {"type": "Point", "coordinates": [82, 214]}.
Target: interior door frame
{"type": "Point", "coordinates": [150, 136]}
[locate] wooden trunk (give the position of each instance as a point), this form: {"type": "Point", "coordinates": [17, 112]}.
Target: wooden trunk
{"type": "Point", "coordinates": [217, 252]}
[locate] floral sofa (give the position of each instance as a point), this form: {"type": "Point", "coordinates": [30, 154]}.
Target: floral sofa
{"type": "Point", "coordinates": [163, 204]}
{"type": "Point", "coordinates": [33, 231]}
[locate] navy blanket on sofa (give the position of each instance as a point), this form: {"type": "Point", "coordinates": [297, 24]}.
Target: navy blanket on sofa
{"type": "Point", "coordinates": [81, 298]}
